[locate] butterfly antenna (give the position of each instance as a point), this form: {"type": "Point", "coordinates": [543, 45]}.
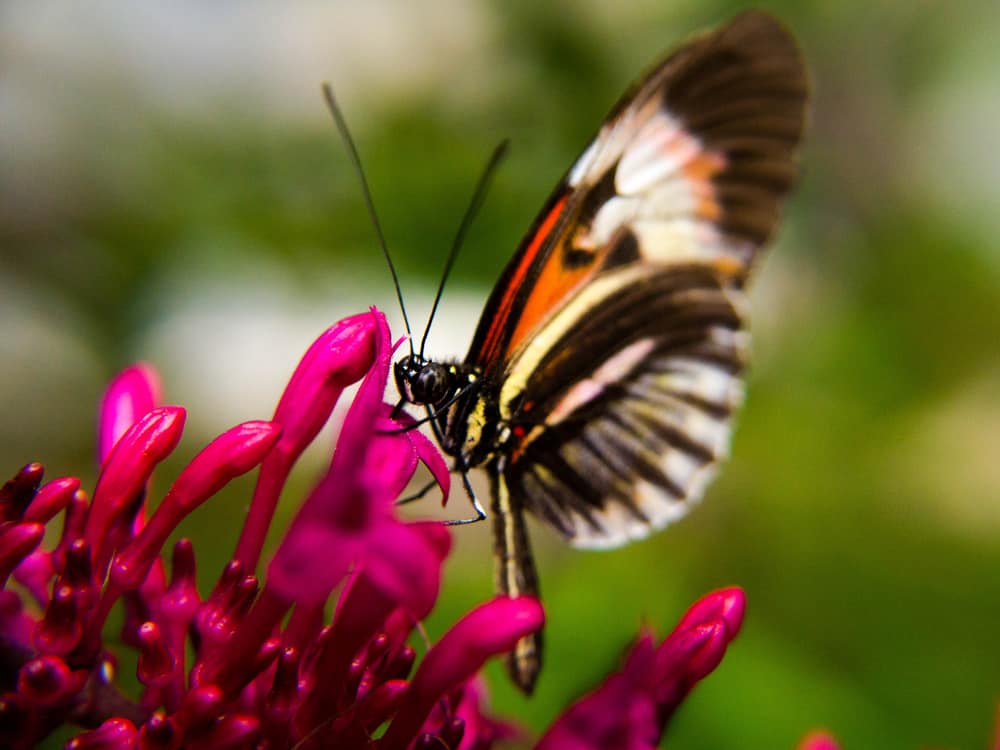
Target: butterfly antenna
{"type": "Point", "coordinates": [338, 118]}
{"type": "Point", "coordinates": [478, 196]}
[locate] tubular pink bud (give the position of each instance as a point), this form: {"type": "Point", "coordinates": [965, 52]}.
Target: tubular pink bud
{"type": "Point", "coordinates": [728, 605]}
{"type": "Point", "coordinates": [230, 732]}
{"type": "Point", "coordinates": [60, 629]}
{"type": "Point", "coordinates": [233, 453]}
{"type": "Point", "coordinates": [128, 468]}
{"type": "Point", "coordinates": [159, 733]}
{"type": "Point", "coordinates": [155, 662]}
{"type": "Point", "coordinates": [382, 703]}
{"type": "Point", "coordinates": [200, 707]}
{"type": "Point", "coordinates": [17, 541]}
{"type": "Point", "coordinates": [181, 600]}
{"type": "Point", "coordinates": [18, 492]}
{"type": "Point", "coordinates": [46, 680]}
{"type": "Point", "coordinates": [114, 734]}
{"type": "Point", "coordinates": [51, 499]}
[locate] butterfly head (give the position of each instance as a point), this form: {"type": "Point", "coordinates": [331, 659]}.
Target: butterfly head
{"type": "Point", "coordinates": [424, 382]}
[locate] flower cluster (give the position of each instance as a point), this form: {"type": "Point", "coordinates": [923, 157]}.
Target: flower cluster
{"type": "Point", "coordinates": [266, 669]}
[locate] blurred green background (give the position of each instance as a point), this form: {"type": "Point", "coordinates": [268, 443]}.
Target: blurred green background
{"type": "Point", "coordinates": [171, 190]}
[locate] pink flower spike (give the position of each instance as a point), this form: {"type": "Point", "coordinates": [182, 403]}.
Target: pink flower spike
{"type": "Point", "coordinates": [490, 629]}
{"type": "Point", "coordinates": [127, 469]}
{"type": "Point", "coordinates": [129, 396]}
{"type": "Point", "coordinates": [339, 357]}
{"type": "Point", "coordinates": [233, 453]}
{"type": "Point", "coordinates": [818, 741]}
{"type": "Point", "coordinates": [114, 734]}
{"type": "Point", "coordinates": [51, 499]}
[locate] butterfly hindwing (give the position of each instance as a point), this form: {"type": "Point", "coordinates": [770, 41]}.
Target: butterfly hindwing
{"type": "Point", "coordinates": [606, 454]}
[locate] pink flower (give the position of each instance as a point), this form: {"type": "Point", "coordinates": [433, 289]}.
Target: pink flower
{"type": "Point", "coordinates": [268, 671]}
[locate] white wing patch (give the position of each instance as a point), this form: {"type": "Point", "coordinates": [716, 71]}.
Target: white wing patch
{"type": "Point", "coordinates": [663, 191]}
{"type": "Point", "coordinates": [688, 467]}
{"type": "Point", "coordinates": [614, 370]}
{"type": "Point", "coordinates": [658, 151]}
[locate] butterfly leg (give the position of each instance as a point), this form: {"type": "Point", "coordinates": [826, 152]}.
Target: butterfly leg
{"type": "Point", "coordinates": [515, 575]}
{"type": "Point", "coordinates": [418, 494]}
{"type": "Point", "coordinates": [480, 513]}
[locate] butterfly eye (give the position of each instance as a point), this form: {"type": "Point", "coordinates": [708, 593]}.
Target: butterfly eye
{"type": "Point", "coordinates": [432, 384]}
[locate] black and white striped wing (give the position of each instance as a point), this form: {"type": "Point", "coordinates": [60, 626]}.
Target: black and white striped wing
{"type": "Point", "coordinates": [621, 408]}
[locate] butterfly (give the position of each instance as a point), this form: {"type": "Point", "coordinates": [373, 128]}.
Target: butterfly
{"type": "Point", "coordinates": [600, 385]}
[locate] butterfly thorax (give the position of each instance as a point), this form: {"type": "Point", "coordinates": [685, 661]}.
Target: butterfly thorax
{"type": "Point", "coordinates": [464, 406]}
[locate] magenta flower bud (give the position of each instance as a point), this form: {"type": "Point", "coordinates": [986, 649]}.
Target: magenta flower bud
{"type": "Point", "coordinates": [114, 734]}
{"type": "Point", "coordinates": [180, 601]}
{"type": "Point", "coordinates": [46, 681]}
{"type": "Point", "coordinates": [231, 454]}
{"type": "Point", "coordinates": [818, 741]}
{"type": "Point", "coordinates": [78, 571]}
{"type": "Point", "coordinates": [400, 666]}
{"type": "Point", "coordinates": [133, 392]}
{"type": "Point", "coordinates": [340, 356]}
{"type": "Point", "coordinates": [128, 468]}
{"type": "Point", "coordinates": [728, 605]}
{"type": "Point", "coordinates": [155, 663]}
{"type": "Point", "coordinates": [51, 499]}
{"type": "Point", "coordinates": [200, 707]}
{"type": "Point", "coordinates": [17, 541]}
{"type": "Point", "coordinates": [230, 732]}
{"type": "Point", "coordinates": [73, 525]}
{"type": "Point", "coordinates": [381, 703]}
{"type": "Point", "coordinates": [684, 659]}
{"type": "Point", "coordinates": [159, 732]}
{"type": "Point", "coordinates": [490, 629]}
{"type": "Point", "coordinates": [18, 492]}
{"type": "Point", "coordinates": [284, 689]}
{"type": "Point", "coordinates": [60, 630]}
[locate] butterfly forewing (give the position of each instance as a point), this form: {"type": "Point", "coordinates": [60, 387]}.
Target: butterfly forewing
{"type": "Point", "coordinates": [691, 165]}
